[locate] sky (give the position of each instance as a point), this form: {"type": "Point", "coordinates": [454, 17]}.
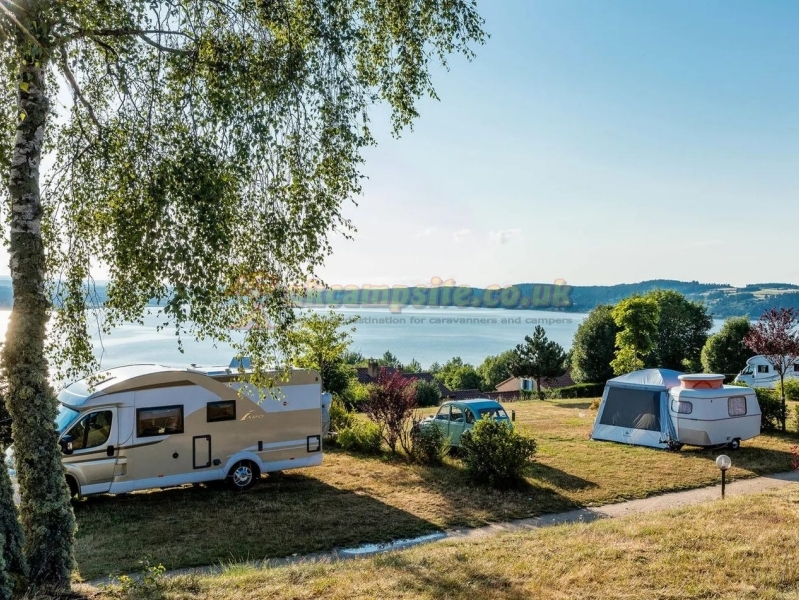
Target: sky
{"type": "Point", "coordinates": [596, 141]}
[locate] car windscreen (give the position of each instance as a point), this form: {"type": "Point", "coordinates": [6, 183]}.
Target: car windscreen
{"type": "Point", "coordinates": [65, 417]}
{"type": "Point", "coordinates": [492, 413]}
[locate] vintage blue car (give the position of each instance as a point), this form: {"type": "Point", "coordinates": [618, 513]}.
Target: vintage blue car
{"type": "Point", "coordinates": [456, 417]}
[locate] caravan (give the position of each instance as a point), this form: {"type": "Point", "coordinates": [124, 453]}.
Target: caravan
{"type": "Point", "coordinates": [667, 409]}
{"type": "Point", "coordinates": [150, 426]}
{"type": "Point", "coordinates": [759, 372]}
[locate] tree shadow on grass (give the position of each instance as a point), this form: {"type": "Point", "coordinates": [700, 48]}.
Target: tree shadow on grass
{"type": "Point", "coordinates": [755, 459]}
{"type": "Point", "coordinates": [472, 504]}
{"type": "Point", "coordinates": [465, 581]}
{"type": "Point", "coordinates": [184, 527]}
{"type": "Point", "coordinates": [560, 479]}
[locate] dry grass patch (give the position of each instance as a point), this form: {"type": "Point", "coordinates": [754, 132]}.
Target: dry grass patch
{"type": "Point", "coordinates": [741, 548]}
{"type": "Point", "coordinates": [352, 500]}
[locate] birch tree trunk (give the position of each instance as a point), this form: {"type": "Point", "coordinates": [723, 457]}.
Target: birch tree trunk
{"type": "Point", "coordinates": [47, 517]}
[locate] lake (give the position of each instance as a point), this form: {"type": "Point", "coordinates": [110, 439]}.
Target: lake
{"type": "Point", "coordinates": [426, 334]}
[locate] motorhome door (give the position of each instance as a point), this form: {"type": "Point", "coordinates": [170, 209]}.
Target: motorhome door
{"type": "Point", "coordinates": [91, 451]}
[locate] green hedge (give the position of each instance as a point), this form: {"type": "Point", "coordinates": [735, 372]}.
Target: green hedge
{"type": "Point", "coordinates": [578, 390]}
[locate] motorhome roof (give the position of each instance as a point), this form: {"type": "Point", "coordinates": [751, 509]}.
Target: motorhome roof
{"type": "Point", "coordinates": [77, 392]}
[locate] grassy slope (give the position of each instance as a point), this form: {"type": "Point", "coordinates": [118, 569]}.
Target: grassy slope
{"type": "Point", "coordinates": [741, 548]}
{"type": "Point", "coordinates": [351, 500]}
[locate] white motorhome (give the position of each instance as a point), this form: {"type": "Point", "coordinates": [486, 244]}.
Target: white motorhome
{"type": "Point", "coordinates": [150, 426]}
{"type": "Point", "coordinates": [759, 372]}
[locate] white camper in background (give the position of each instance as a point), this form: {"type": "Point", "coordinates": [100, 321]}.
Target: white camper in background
{"type": "Point", "coordinates": [666, 409]}
{"type": "Point", "coordinates": [150, 426]}
{"type": "Point", "coordinates": [759, 372]}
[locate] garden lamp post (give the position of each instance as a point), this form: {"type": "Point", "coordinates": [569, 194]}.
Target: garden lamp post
{"type": "Point", "coordinates": [723, 462]}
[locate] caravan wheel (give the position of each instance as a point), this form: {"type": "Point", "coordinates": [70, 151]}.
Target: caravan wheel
{"type": "Point", "coordinates": [735, 444]}
{"type": "Point", "coordinates": [242, 475]}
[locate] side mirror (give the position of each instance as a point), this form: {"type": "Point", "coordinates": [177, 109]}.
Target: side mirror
{"type": "Point", "coordinates": [66, 444]}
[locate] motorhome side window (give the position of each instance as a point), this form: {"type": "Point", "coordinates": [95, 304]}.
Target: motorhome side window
{"type": "Point", "coordinates": [796, 367]}
{"type": "Point", "coordinates": [159, 420]}
{"type": "Point", "coordinates": [736, 406]}
{"type": "Point", "coordinates": [221, 411]}
{"type": "Point", "coordinates": [762, 368]}
{"type": "Point", "coordinates": [92, 430]}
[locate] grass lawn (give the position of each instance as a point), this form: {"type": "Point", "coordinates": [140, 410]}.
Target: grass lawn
{"type": "Point", "coordinates": [351, 500]}
{"type": "Point", "coordinates": [737, 549]}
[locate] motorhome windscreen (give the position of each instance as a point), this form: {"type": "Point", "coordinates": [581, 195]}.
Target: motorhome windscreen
{"type": "Point", "coordinates": [632, 409]}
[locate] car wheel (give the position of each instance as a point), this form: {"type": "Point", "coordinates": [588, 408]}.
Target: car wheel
{"type": "Point", "coordinates": [74, 489]}
{"type": "Point", "coordinates": [242, 475]}
{"type": "Point", "coordinates": [734, 444]}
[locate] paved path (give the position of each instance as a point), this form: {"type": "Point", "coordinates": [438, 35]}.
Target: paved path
{"type": "Point", "coordinates": [667, 501]}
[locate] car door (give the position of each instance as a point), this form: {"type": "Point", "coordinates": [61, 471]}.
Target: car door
{"type": "Point", "coordinates": [91, 451]}
{"type": "Point", "coordinates": [457, 422]}
{"type": "Point", "coordinates": [442, 419]}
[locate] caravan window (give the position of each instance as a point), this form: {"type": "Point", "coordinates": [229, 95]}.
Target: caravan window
{"type": "Point", "coordinates": [736, 406]}
{"type": "Point", "coordinates": [632, 409]}
{"type": "Point", "coordinates": [221, 411]}
{"type": "Point", "coordinates": [762, 368]}
{"type": "Point", "coordinates": [159, 420]}
{"type": "Point", "coordinates": [795, 367]}
{"type": "Point", "coordinates": [682, 407]}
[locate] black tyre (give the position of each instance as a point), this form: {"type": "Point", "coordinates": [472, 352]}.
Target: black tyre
{"type": "Point", "coordinates": [74, 489]}
{"type": "Point", "coordinates": [242, 475]}
{"type": "Point", "coordinates": [735, 444]}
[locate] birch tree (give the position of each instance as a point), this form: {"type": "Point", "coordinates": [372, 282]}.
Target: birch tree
{"type": "Point", "coordinates": [201, 152]}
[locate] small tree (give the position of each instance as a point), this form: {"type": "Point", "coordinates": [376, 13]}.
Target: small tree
{"type": "Point", "coordinates": [457, 375]}
{"type": "Point", "coordinates": [322, 342]}
{"type": "Point", "coordinates": [413, 367]}
{"type": "Point", "coordinates": [682, 328]}
{"type": "Point", "coordinates": [538, 358]}
{"type": "Point", "coordinates": [391, 403]}
{"type": "Point", "coordinates": [427, 393]}
{"type": "Point", "coordinates": [495, 369]}
{"type": "Point", "coordinates": [775, 336]}
{"type": "Point", "coordinates": [388, 360]}
{"type": "Point", "coordinates": [637, 319]}
{"type": "Point", "coordinates": [725, 351]}
{"type": "Point", "coordinates": [594, 346]}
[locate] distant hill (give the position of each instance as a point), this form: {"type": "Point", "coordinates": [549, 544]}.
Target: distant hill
{"type": "Point", "coordinates": [722, 300]}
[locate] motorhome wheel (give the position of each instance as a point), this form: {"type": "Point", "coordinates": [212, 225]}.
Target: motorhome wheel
{"type": "Point", "coordinates": [735, 444]}
{"type": "Point", "coordinates": [242, 475]}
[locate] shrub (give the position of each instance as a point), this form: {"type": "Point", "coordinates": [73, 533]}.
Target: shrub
{"type": "Point", "coordinates": [595, 404]}
{"type": "Point", "coordinates": [579, 390]}
{"type": "Point", "coordinates": [391, 403]}
{"type": "Point", "coordinates": [429, 445]}
{"type": "Point", "coordinates": [355, 396]}
{"type": "Point", "coordinates": [361, 436]}
{"type": "Point", "coordinates": [796, 417]}
{"type": "Point", "coordinates": [340, 417]}
{"type": "Point", "coordinates": [771, 409]}
{"type": "Point", "coordinates": [791, 389]}
{"type": "Point", "coordinates": [427, 393]}
{"type": "Point", "coordinates": [494, 453]}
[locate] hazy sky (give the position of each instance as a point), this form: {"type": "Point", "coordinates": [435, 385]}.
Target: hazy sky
{"type": "Point", "coordinates": [599, 141]}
